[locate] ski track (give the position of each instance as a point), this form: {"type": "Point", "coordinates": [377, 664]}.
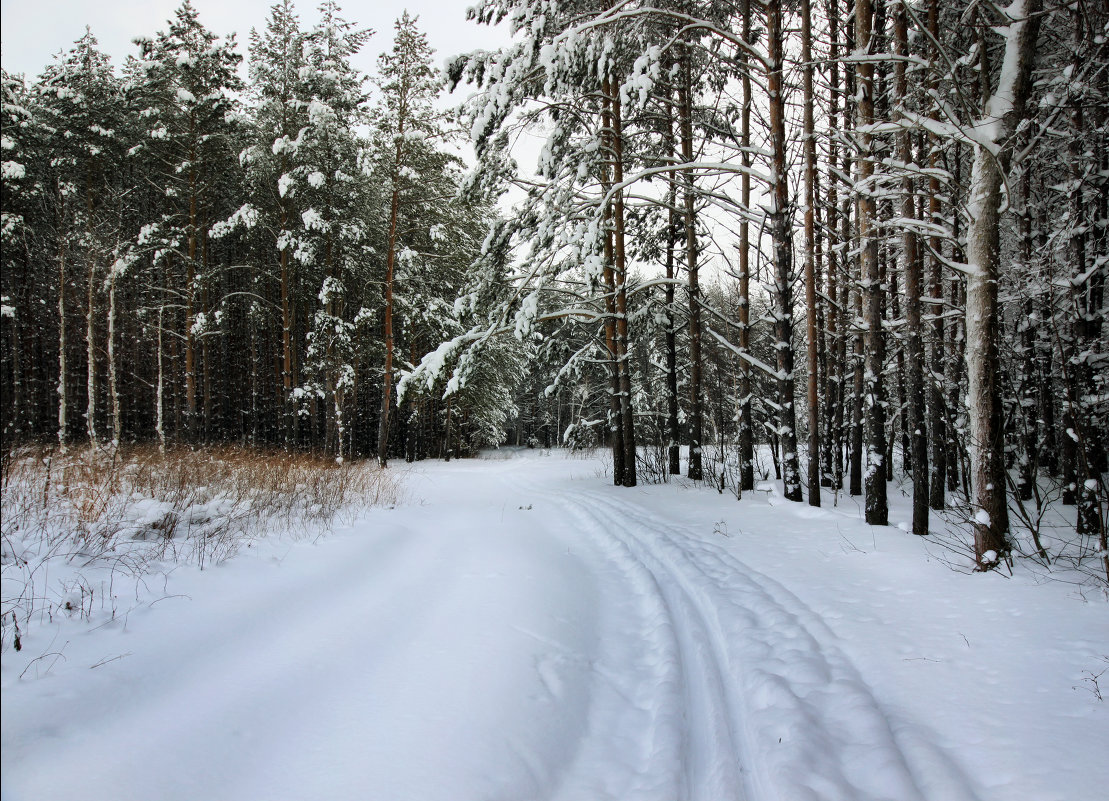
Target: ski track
{"type": "Point", "coordinates": [754, 699]}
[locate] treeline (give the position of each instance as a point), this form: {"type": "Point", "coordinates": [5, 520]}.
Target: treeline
{"type": "Point", "coordinates": [872, 235]}
{"type": "Point", "coordinates": [188, 257]}
{"type": "Point", "coordinates": [905, 201]}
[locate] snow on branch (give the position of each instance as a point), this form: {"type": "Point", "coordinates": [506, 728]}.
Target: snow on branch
{"type": "Point", "coordinates": [747, 357]}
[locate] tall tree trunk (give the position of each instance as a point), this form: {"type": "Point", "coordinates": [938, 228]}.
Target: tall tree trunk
{"type": "Point", "coordinates": [911, 267]}
{"type": "Point", "coordinates": [746, 431]}
{"type": "Point", "coordinates": [190, 299]}
{"type": "Point", "coordinates": [673, 432]}
{"type": "Point", "coordinates": [1027, 330]}
{"type": "Point", "coordinates": [90, 324]}
{"type": "Point", "coordinates": [835, 396]}
{"type": "Point", "coordinates": [1086, 308]}
{"type": "Point", "coordinates": [627, 417]}
{"type": "Point", "coordinates": [447, 433]}
{"type": "Point", "coordinates": [1004, 109]}
{"type": "Point", "coordinates": [615, 422]}
{"type": "Point", "coordinates": [113, 367]}
{"type": "Point", "coordinates": [877, 510]}
{"type": "Point", "coordinates": [63, 392]}
{"type": "Point", "coordinates": [937, 423]}
{"type": "Point", "coordinates": [390, 265]}
{"type": "Point", "coordinates": [810, 257]}
{"type": "Point", "coordinates": [159, 392]}
{"type": "Point", "coordinates": [205, 363]}
{"type": "Point", "coordinates": [782, 232]}
{"type": "Point", "coordinates": [288, 412]}
{"type": "Point", "coordinates": [850, 245]}
{"type": "Point", "coordinates": [696, 414]}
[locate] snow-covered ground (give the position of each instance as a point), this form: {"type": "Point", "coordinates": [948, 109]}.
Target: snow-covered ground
{"type": "Point", "coordinates": [523, 630]}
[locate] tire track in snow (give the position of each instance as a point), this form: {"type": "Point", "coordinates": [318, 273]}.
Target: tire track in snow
{"type": "Point", "coordinates": [633, 742]}
{"type": "Point", "coordinates": [800, 721]}
{"type": "Point", "coordinates": [880, 750]}
{"type": "Point", "coordinates": [683, 746]}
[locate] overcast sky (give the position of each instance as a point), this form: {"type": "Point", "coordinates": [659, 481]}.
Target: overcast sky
{"type": "Point", "coordinates": [34, 30]}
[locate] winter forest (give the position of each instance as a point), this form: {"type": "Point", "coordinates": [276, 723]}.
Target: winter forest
{"type": "Point", "coordinates": [873, 237]}
{"type": "Point", "coordinates": [568, 406]}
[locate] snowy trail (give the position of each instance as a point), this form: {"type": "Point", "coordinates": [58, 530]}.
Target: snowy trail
{"type": "Point", "coordinates": [307, 683]}
{"type": "Point", "coordinates": [524, 633]}
{"type": "Point", "coordinates": [766, 689]}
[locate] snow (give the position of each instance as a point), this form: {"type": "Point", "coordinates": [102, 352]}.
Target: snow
{"type": "Point", "coordinates": [12, 171]}
{"type": "Point", "coordinates": [313, 220]}
{"type": "Point", "coordinates": [522, 629]}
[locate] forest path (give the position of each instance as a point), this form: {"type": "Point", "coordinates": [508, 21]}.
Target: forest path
{"type": "Point", "coordinates": [753, 699]}
{"type": "Point", "coordinates": [519, 631]}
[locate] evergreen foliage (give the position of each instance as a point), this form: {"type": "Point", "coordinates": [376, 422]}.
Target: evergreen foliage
{"type": "Point", "coordinates": [304, 259]}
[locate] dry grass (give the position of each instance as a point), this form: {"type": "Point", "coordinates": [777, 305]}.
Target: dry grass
{"type": "Point", "coordinates": [129, 509]}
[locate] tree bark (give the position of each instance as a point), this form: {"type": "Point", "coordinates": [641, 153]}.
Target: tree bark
{"type": "Point", "coordinates": [90, 323]}
{"type": "Point", "coordinates": [390, 266]}
{"type": "Point", "coordinates": [810, 257]}
{"type": "Point", "coordinates": [616, 428]}
{"type": "Point", "coordinates": [694, 470]}
{"type": "Point", "coordinates": [627, 417]}
{"type": "Point", "coordinates": [782, 233]}
{"type": "Point", "coordinates": [835, 396]}
{"type": "Point", "coordinates": [937, 423]}
{"type": "Point", "coordinates": [63, 393]}
{"type": "Point", "coordinates": [877, 511]}
{"type": "Point", "coordinates": [911, 267]}
{"type": "Point", "coordinates": [746, 432]}
{"type": "Point", "coordinates": [673, 431]}
{"type": "Point", "coordinates": [113, 369]}
{"type": "Point", "coordinates": [1004, 109]}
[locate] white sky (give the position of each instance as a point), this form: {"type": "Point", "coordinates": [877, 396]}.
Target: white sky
{"type": "Point", "coordinates": [34, 30]}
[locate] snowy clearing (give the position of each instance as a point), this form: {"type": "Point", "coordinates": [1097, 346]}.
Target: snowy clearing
{"type": "Point", "coordinates": [523, 630]}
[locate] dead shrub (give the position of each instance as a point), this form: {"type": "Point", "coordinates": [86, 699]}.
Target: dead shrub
{"type": "Point", "coordinates": [125, 510]}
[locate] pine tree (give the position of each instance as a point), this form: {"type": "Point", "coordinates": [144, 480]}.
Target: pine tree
{"type": "Point", "coordinates": [185, 84]}
{"type": "Point", "coordinates": [17, 288]}
{"type": "Point", "coordinates": [273, 161]}
{"type": "Point", "coordinates": [406, 119]}
{"type": "Point", "coordinates": [81, 114]}
{"type": "Point", "coordinates": [782, 233]}
{"type": "Point", "coordinates": [332, 242]}
{"type": "Point", "coordinates": [1003, 109]}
